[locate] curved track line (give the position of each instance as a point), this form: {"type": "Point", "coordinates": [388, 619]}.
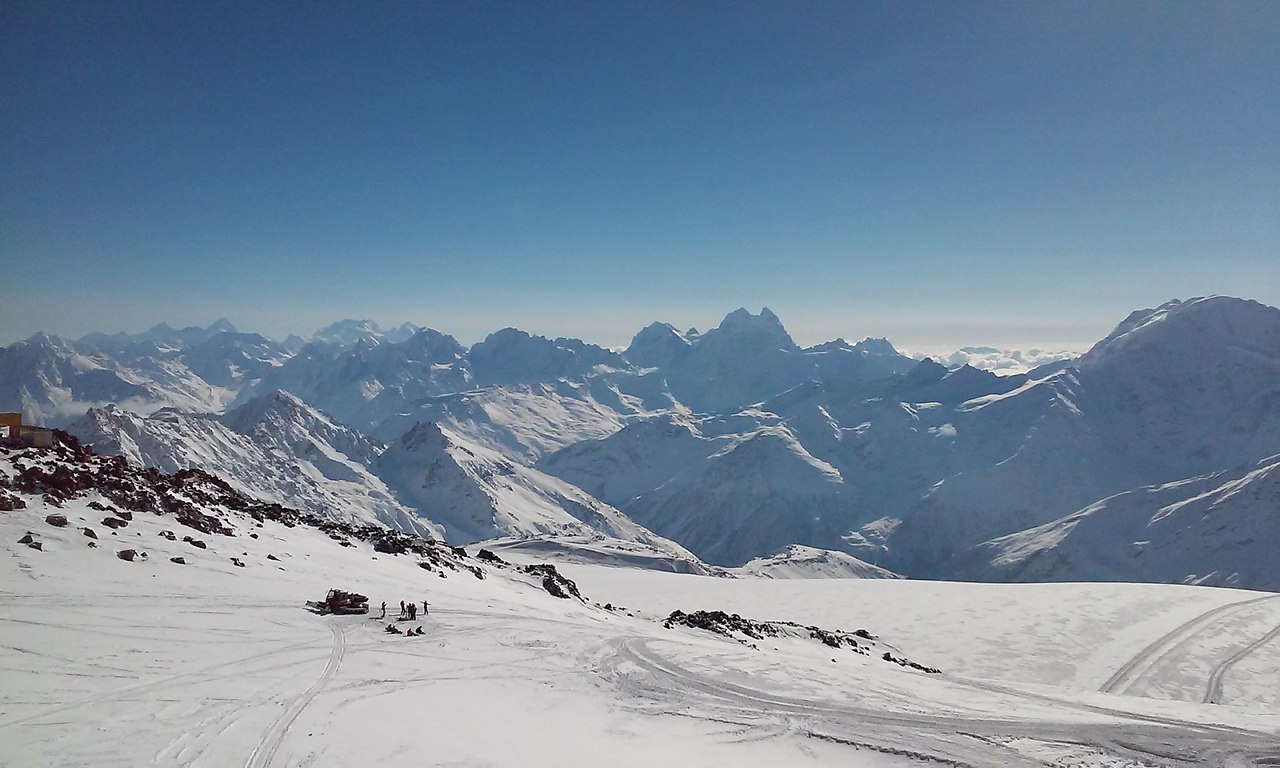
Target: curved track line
{"type": "Point", "coordinates": [265, 751]}
{"type": "Point", "coordinates": [1213, 691]}
{"type": "Point", "coordinates": [1125, 676]}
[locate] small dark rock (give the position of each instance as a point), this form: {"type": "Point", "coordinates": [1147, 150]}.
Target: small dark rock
{"type": "Point", "coordinates": [57, 521]}
{"type": "Point", "coordinates": [26, 539]}
{"type": "Point", "coordinates": [89, 532]}
{"type": "Point", "coordinates": [168, 535]}
{"type": "Point", "coordinates": [124, 514]}
{"type": "Point", "coordinates": [198, 544]}
{"type": "Point", "coordinates": [114, 522]}
{"type": "Point", "coordinates": [178, 560]}
{"type": "Point", "coordinates": [36, 546]}
{"type": "Point", "coordinates": [273, 557]}
{"type": "Point", "coordinates": [236, 562]}
{"type": "Point", "coordinates": [127, 554]}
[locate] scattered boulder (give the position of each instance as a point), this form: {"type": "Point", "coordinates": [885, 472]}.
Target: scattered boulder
{"type": "Point", "coordinates": [236, 562]}
{"type": "Point", "coordinates": [198, 544]}
{"type": "Point", "coordinates": [489, 557]}
{"type": "Point", "coordinates": [37, 546]}
{"type": "Point", "coordinates": [27, 539]}
{"type": "Point", "coordinates": [178, 560]}
{"type": "Point", "coordinates": [89, 532]}
{"type": "Point", "coordinates": [9, 502]}
{"type": "Point", "coordinates": [124, 514]}
{"type": "Point", "coordinates": [114, 522]}
{"type": "Point", "coordinates": [127, 554]}
{"type": "Point", "coordinates": [57, 521]}
{"type": "Point", "coordinates": [101, 507]}
{"type": "Point", "coordinates": [273, 557]}
{"type": "Point", "coordinates": [556, 584]}
{"type": "Point", "coordinates": [168, 535]}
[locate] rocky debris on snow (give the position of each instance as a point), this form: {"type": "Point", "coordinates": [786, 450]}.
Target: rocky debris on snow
{"type": "Point", "coordinates": [733, 626]}
{"type": "Point", "coordinates": [27, 538]}
{"type": "Point", "coordinates": [237, 562]}
{"type": "Point", "coordinates": [273, 557]}
{"type": "Point", "coordinates": [908, 663]}
{"type": "Point", "coordinates": [195, 499]}
{"type": "Point", "coordinates": [721, 623]}
{"type": "Point", "coordinates": [10, 502]}
{"type": "Point", "coordinates": [127, 554]}
{"type": "Point", "coordinates": [56, 520]}
{"type": "Point", "coordinates": [556, 584]}
{"type": "Point", "coordinates": [178, 560]}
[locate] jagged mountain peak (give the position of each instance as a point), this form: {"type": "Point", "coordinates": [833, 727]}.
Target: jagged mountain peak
{"type": "Point", "coordinates": [657, 345]}
{"type": "Point", "coordinates": [763, 331]}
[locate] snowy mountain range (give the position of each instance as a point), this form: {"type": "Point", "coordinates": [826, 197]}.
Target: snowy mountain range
{"type": "Point", "coordinates": [731, 444]}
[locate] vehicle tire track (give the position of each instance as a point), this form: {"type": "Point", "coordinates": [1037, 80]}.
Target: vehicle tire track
{"type": "Point", "coordinates": [265, 751]}
{"type": "Point", "coordinates": [1133, 669]}
{"type": "Point", "coordinates": [1213, 691]}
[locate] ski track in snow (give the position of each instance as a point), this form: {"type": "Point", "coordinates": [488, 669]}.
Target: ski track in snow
{"type": "Point", "coordinates": [1213, 691]}
{"type": "Point", "coordinates": [265, 751]}
{"type": "Point", "coordinates": [966, 741]}
{"type": "Point", "coordinates": [1134, 671]}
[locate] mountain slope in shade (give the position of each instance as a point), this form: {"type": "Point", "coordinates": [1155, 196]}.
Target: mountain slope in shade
{"type": "Point", "coordinates": [275, 448]}
{"type": "Point", "coordinates": [800, 562]}
{"type": "Point", "coordinates": [634, 460]}
{"type": "Point", "coordinates": [759, 494]}
{"type": "Point", "coordinates": [476, 493]}
{"type": "Point", "coordinates": [1216, 530]}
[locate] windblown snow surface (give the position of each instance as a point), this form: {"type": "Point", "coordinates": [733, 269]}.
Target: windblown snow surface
{"type": "Point", "coordinates": [106, 662]}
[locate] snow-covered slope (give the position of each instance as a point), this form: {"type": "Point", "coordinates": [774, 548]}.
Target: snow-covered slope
{"type": "Point", "coordinates": [274, 447]}
{"type": "Point", "coordinates": [236, 672]}
{"type": "Point", "coordinates": [633, 460]}
{"type": "Point", "coordinates": [475, 494]}
{"type": "Point", "coordinates": [800, 562]}
{"type": "Point", "coordinates": [1219, 529]}
{"type": "Point", "coordinates": [757, 494]}
{"type": "Point", "coordinates": [522, 421]}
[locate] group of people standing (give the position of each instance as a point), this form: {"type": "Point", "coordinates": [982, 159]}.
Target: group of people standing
{"type": "Point", "coordinates": [408, 611]}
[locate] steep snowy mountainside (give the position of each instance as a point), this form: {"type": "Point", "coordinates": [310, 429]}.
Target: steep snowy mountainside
{"type": "Point", "coordinates": [274, 448]}
{"type": "Point", "coordinates": [800, 562]}
{"type": "Point", "coordinates": [749, 358]}
{"type": "Point", "coordinates": [759, 493]}
{"type": "Point", "coordinates": [1192, 384]}
{"type": "Point", "coordinates": [367, 382]}
{"type": "Point", "coordinates": [658, 345]}
{"type": "Point", "coordinates": [522, 421]}
{"type": "Point", "coordinates": [234, 359]}
{"type": "Point", "coordinates": [476, 493]}
{"type": "Point", "coordinates": [50, 382]}
{"type": "Point", "coordinates": [1216, 530]}
{"type": "Point", "coordinates": [511, 356]}
{"type": "Point", "coordinates": [633, 460]}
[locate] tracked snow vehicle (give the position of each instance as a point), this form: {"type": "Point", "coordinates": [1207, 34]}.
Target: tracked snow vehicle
{"type": "Point", "coordinates": [341, 602]}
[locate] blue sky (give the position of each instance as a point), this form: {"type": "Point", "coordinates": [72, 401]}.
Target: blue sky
{"type": "Point", "coordinates": [939, 173]}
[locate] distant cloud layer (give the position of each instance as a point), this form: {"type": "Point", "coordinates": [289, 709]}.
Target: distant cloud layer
{"type": "Point", "coordinates": [999, 360]}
